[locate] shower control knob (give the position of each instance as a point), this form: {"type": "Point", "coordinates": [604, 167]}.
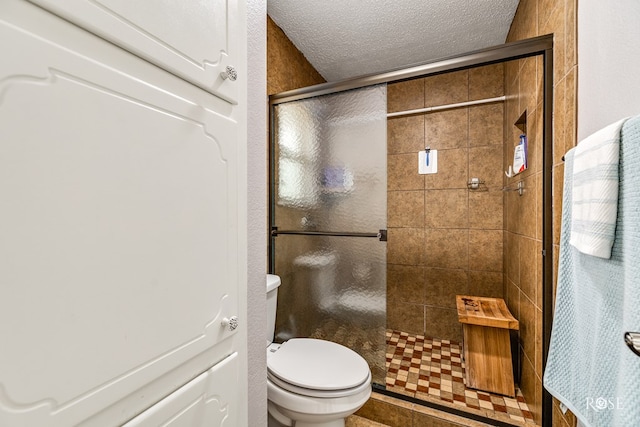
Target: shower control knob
{"type": "Point", "coordinates": [229, 73]}
{"type": "Point", "coordinates": [231, 322]}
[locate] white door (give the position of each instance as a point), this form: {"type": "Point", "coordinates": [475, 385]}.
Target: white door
{"type": "Point", "coordinates": [118, 230]}
{"type": "Point", "coordinates": [201, 402]}
{"type": "Point", "coordinates": [196, 40]}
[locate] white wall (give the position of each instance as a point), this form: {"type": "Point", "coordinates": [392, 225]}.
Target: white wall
{"type": "Point", "coordinates": [608, 63]}
{"type": "Point", "coordinates": [257, 209]}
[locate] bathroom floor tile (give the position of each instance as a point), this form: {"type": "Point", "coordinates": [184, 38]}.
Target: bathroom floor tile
{"type": "Point", "coordinates": [432, 369]}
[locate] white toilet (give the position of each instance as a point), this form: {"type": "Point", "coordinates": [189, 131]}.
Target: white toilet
{"type": "Point", "coordinates": [310, 382]}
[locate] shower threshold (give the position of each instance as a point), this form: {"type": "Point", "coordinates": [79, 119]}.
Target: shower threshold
{"type": "Point", "coordinates": [431, 370]}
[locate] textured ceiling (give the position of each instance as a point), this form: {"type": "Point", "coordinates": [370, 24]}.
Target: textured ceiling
{"type": "Point", "coordinates": [350, 38]}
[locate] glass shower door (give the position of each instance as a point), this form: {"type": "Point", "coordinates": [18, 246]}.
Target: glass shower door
{"type": "Point", "coordinates": [328, 213]}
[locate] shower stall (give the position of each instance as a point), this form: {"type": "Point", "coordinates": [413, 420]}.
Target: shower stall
{"type": "Point", "coordinates": [372, 253]}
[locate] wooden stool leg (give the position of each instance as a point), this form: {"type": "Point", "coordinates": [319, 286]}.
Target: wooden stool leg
{"type": "Point", "coordinates": [487, 354]}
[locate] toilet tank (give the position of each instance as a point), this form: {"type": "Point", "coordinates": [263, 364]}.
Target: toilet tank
{"type": "Point", "coordinates": [273, 282]}
{"type": "Point", "coordinates": [317, 272]}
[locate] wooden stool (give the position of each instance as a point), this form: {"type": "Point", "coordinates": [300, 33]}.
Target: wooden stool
{"type": "Point", "coordinates": [487, 349]}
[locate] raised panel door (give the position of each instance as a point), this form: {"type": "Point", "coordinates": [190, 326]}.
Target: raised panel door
{"type": "Point", "coordinates": [203, 402]}
{"type": "Point", "coordinates": [195, 40]}
{"type": "Point", "coordinates": [119, 227]}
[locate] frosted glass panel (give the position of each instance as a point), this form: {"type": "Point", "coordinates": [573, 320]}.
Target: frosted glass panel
{"type": "Point", "coordinates": [330, 162]}
{"type": "Point", "coordinates": [329, 175]}
{"type": "Point", "coordinates": [334, 288]}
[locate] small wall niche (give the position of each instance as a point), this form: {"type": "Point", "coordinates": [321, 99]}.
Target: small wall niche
{"type": "Point", "coordinates": [521, 123]}
{"type": "Point", "coordinates": [520, 151]}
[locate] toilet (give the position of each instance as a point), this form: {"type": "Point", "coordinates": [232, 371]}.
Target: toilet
{"type": "Point", "coordinates": [311, 382]}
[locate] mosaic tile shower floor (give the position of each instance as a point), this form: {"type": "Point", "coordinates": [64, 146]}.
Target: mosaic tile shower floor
{"type": "Point", "coordinates": [432, 370]}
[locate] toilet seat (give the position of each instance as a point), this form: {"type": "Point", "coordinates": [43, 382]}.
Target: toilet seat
{"type": "Point", "coordinates": [319, 393]}
{"type": "Point", "coordinates": [318, 368]}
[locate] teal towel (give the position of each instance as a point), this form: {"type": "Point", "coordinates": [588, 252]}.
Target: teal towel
{"type": "Point", "coordinates": [589, 368]}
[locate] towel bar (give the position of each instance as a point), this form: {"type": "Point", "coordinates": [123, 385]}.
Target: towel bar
{"type": "Point", "coordinates": [632, 339]}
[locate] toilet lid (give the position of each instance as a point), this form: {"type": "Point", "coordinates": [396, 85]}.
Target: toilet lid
{"type": "Point", "coordinates": [318, 365]}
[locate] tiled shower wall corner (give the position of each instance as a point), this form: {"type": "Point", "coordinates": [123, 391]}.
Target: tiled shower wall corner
{"type": "Point", "coordinates": [444, 239]}
{"type": "Point", "coordinates": [523, 85]}
{"type": "Point", "coordinates": [523, 222]}
{"type": "Point", "coordinates": [287, 68]}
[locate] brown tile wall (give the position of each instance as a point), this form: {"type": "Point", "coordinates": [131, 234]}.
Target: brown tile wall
{"type": "Point", "coordinates": [287, 68]}
{"type": "Point", "coordinates": [444, 239]}
{"type": "Point", "coordinates": [523, 215]}
{"type": "Point", "coordinates": [522, 218]}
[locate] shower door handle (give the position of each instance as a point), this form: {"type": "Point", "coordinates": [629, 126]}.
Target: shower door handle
{"type": "Point", "coordinates": [380, 235]}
